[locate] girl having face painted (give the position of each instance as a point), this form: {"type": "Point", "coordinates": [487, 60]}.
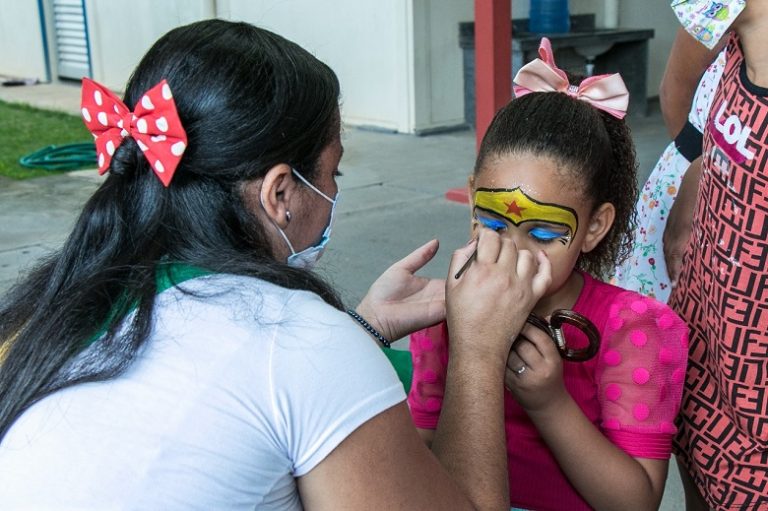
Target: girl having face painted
{"type": "Point", "coordinates": [556, 174]}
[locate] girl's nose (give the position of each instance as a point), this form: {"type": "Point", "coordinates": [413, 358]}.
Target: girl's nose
{"type": "Point", "coordinates": [521, 239]}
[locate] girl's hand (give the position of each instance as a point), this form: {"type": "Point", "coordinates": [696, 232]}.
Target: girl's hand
{"type": "Point", "coordinates": [534, 371]}
{"type": "Point", "coordinates": [487, 305]}
{"type": "Point", "coordinates": [399, 302]}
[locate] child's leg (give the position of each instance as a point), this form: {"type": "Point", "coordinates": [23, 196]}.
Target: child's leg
{"type": "Point", "coordinates": [693, 499]}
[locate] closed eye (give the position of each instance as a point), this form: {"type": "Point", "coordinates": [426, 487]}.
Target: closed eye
{"type": "Point", "coordinates": [545, 235]}
{"type": "Point", "coordinates": [492, 223]}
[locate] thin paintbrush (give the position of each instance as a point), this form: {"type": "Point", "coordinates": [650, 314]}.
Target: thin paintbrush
{"type": "Point", "coordinates": [466, 265]}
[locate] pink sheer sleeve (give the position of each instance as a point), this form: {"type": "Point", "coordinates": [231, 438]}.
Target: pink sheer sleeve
{"type": "Point", "coordinates": [640, 375]}
{"type": "Point", "coordinates": [429, 349]}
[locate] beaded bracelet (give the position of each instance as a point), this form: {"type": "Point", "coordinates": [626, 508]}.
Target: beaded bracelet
{"type": "Point", "coordinates": [383, 340]}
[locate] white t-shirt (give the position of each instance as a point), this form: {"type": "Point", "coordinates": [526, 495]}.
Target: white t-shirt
{"type": "Point", "coordinates": [241, 388]}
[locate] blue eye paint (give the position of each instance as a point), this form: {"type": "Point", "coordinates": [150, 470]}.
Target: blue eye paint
{"type": "Point", "coordinates": [492, 223]}
{"type": "Point", "coordinates": [543, 234]}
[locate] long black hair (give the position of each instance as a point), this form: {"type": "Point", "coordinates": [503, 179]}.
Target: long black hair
{"type": "Point", "coordinates": [595, 148]}
{"type": "Point", "coordinates": [248, 100]}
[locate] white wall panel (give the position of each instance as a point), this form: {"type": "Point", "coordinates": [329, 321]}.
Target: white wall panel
{"type": "Point", "coordinates": [364, 41]}
{"type": "Point", "coordinates": [438, 66]}
{"type": "Point", "coordinates": [69, 39]}
{"type": "Point", "coordinates": [122, 31]}
{"type": "Point", "coordinates": [22, 53]}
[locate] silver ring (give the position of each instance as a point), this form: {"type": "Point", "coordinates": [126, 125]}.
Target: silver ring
{"type": "Point", "coordinates": [521, 370]}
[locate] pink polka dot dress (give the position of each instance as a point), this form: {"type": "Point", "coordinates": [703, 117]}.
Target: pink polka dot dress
{"type": "Point", "coordinates": [630, 390]}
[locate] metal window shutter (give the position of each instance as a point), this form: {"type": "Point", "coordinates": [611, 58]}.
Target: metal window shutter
{"type": "Point", "coordinates": [74, 60]}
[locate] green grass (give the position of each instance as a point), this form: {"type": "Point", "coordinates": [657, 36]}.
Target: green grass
{"type": "Point", "coordinates": [25, 129]}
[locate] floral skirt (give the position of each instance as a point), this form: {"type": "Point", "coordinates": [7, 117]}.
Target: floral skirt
{"type": "Point", "coordinates": [645, 270]}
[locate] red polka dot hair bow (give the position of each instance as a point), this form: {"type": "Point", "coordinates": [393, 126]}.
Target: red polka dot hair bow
{"type": "Point", "coordinates": [606, 92]}
{"type": "Point", "coordinates": [154, 125]}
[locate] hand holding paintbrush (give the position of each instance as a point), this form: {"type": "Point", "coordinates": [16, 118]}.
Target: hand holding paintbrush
{"type": "Point", "coordinates": [487, 306]}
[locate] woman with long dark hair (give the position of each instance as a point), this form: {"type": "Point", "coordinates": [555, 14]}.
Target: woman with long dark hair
{"type": "Point", "coordinates": [177, 353]}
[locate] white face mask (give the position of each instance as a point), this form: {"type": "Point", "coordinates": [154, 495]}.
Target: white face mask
{"type": "Point", "coordinates": [707, 20]}
{"type": "Point", "coordinates": [308, 257]}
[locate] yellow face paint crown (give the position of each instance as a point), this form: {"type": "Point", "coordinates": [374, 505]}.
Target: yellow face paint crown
{"type": "Point", "coordinates": [517, 207]}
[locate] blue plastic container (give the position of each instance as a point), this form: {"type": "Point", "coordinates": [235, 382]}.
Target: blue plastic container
{"type": "Point", "coordinates": [549, 17]}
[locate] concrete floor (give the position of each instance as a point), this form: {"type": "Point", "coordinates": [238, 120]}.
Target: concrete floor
{"type": "Point", "coordinates": [392, 201]}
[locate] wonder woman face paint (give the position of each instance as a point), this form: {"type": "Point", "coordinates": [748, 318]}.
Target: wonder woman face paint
{"type": "Point", "coordinates": [548, 221]}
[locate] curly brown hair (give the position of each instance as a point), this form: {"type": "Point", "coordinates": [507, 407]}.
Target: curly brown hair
{"type": "Point", "coordinates": [591, 145]}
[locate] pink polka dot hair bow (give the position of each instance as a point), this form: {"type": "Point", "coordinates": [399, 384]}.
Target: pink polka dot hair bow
{"type": "Point", "coordinates": [154, 125]}
{"type": "Point", "coordinates": [606, 92]}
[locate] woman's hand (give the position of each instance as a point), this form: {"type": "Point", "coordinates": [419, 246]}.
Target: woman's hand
{"type": "Point", "coordinates": [487, 306]}
{"type": "Point", "coordinates": [534, 371]}
{"type": "Point", "coordinates": [679, 221]}
{"type": "Point", "coordinates": [399, 303]}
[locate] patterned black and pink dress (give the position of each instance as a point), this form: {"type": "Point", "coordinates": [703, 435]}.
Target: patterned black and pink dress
{"type": "Point", "coordinates": [723, 296]}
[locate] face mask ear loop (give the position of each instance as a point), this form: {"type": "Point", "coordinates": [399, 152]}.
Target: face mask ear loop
{"type": "Point", "coordinates": [303, 180]}
{"type": "Point", "coordinates": [279, 230]}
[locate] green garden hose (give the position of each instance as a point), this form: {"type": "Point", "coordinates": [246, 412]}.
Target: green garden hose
{"type": "Point", "coordinates": [62, 157]}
